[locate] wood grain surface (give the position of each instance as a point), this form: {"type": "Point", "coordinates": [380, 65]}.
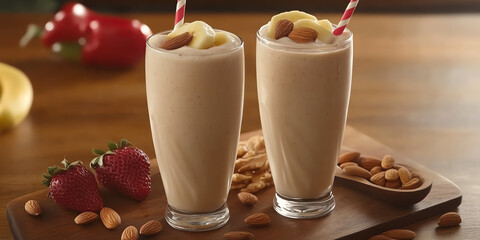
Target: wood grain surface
{"type": "Point", "coordinates": [355, 207]}
{"type": "Point", "coordinates": [415, 88]}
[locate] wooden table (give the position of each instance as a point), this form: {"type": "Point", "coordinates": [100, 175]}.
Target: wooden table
{"type": "Point", "coordinates": [416, 88]}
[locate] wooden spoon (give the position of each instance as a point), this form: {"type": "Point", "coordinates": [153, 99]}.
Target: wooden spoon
{"type": "Point", "coordinates": [401, 197]}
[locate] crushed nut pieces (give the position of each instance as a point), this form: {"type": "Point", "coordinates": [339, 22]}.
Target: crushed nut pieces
{"type": "Point", "coordinates": [380, 172]}
{"type": "Point", "coordinates": [252, 170]}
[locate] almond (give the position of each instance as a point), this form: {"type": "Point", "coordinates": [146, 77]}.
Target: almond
{"type": "Point", "coordinates": [357, 171]}
{"type": "Point", "coordinates": [345, 164]}
{"type": "Point", "coordinates": [283, 28]}
{"type": "Point", "coordinates": [387, 162]}
{"type": "Point", "coordinates": [450, 219]}
{"type": "Point", "coordinates": [405, 175]}
{"type": "Point", "coordinates": [380, 237]}
{"type": "Point", "coordinates": [130, 233]}
{"type": "Point", "coordinates": [177, 41]}
{"type": "Point", "coordinates": [86, 217]}
{"type": "Point", "coordinates": [391, 174]}
{"type": "Point", "coordinates": [238, 235]}
{"type": "Point", "coordinates": [110, 218]}
{"type": "Point", "coordinates": [399, 234]}
{"type": "Point", "coordinates": [376, 170]}
{"type": "Point", "coordinates": [348, 157]}
{"type": "Point", "coordinates": [151, 227]}
{"type": "Point", "coordinates": [378, 179]}
{"type": "Point", "coordinates": [393, 184]}
{"type": "Point", "coordinates": [33, 207]}
{"type": "Point", "coordinates": [258, 219]}
{"type": "Point", "coordinates": [303, 35]}
{"type": "Point", "coordinates": [412, 184]}
{"type": "Point", "coordinates": [369, 162]}
{"type": "Point", "coordinates": [247, 198]}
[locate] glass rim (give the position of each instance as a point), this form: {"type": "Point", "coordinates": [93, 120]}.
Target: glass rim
{"type": "Point", "coordinates": [320, 48]}
{"type": "Point", "coordinates": [160, 50]}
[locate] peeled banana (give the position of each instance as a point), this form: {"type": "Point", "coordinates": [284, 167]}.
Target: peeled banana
{"type": "Point", "coordinates": [16, 96]}
{"type": "Point", "coordinates": [203, 34]}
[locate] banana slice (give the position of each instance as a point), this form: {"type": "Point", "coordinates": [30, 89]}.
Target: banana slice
{"type": "Point", "coordinates": [292, 16]}
{"type": "Point", "coordinates": [16, 96]}
{"type": "Point", "coordinates": [203, 34]}
{"type": "Point", "coordinates": [323, 28]}
{"type": "Point", "coordinates": [221, 38]}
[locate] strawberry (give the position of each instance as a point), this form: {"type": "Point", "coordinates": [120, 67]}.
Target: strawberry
{"type": "Point", "coordinates": [73, 187]}
{"type": "Point", "coordinates": [123, 169]}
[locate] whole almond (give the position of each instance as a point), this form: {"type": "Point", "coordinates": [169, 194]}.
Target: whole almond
{"type": "Point", "coordinates": [151, 227]}
{"type": "Point", "coordinates": [412, 184]}
{"type": "Point", "coordinates": [283, 28]}
{"type": "Point", "coordinates": [247, 198]}
{"type": "Point", "coordinates": [357, 171]}
{"type": "Point", "coordinates": [399, 234]}
{"type": "Point", "coordinates": [130, 233]}
{"type": "Point", "coordinates": [376, 170]}
{"type": "Point", "coordinates": [393, 184]}
{"type": "Point", "coordinates": [177, 41]}
{"type": "Point", "coordinates": [380, 237]}
{"type": "Point", "coordinates": [391, 174]}
{"type": "Point", "coordinates": [348, 157]}
{"type": "Point", "coordinates": [303, 35]}
{"type": "Point", "coordinates": [405, 175]}
{"type": "Point", "coordinates": [258, 219]}
{"type": "Point", "coordinates": [369, 162]}
{"type": "Point", "coordinates": [387, 162]}
{"type": "Point", "coordinates": [345, 164]}
{"type": "Point", "coordinates": [85, 217]}
{"type": "Point", "coordinates": [378, 179]}
{"type": "Point", "coordinates": [450, 219]}
{"type": "Point", "coordinates": [238, 235]}
{"type": "Point", "coordinates": [33, 207]}
{"type": "Point", "coordinates": [110, 218]}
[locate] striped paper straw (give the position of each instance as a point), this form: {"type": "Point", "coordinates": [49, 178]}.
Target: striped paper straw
{"type": "Point", "coordinates": [179, 14]}
{"type": "Point", "coordinates": [345, 18]}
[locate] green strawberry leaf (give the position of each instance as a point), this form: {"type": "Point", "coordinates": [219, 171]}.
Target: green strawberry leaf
{"type": "Point", "coordinates": [112, 145]}
{"type": "Point", "coordinates": [98, 152]}
{"type": "Point", "coordinates": [124, 143]}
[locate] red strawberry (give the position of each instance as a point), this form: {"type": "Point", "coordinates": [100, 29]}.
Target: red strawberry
{"type": "Point", "coordinates": [123, 169]}
{"type": "Point", "coordinates": [73, 187]}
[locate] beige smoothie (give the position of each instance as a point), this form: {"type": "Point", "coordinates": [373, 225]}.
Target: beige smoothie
{"type": "Point", "coordinates": [303, 93]}
{"type": "Point", "coordinates": [195, 101]}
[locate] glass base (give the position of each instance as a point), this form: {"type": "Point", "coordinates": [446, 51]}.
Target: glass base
{"type": "Point", "coordinates": [197, 222]}
{"type": "Point", "coordinates": [303, 209]}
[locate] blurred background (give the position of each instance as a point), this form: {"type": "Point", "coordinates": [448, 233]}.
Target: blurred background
{"type": "Point", "coordinates": [403, 6]}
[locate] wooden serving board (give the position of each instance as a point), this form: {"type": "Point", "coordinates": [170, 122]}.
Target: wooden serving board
{"type": "Point", "coordinates": [356, 215]}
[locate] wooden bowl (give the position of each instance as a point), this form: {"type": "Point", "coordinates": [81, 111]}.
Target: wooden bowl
{"type": "Point", "coordinates": [402, 197]}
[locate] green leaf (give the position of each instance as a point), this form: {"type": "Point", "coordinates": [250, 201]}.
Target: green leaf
{"type": "Point", "coordinates": [124, 143]}
{"type": "Point", "coordinates": [112, 145]}
{"type": "Point", "coordinates": [100, 160]}
{"type": "Point", "coordinates": [98, 152]}
{"type": "Point", "coordinates": [46, 182]}
{"type": "Point", "coordinates": [65, 163]}
{"type": "Point", "coordinates": [47, 176]}
{"type": "Point", "coordinates": [51, 170]}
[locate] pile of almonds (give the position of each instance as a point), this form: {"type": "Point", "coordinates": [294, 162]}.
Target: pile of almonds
{"type": "Point", "coordinates": [382, 172]}
{"type": "Point", "coordinates": [252, 171]}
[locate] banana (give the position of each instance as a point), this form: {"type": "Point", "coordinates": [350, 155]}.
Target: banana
{"type": "Point", "coordinates": [323, 28]}
{"type": "Point", "coordinates": [203, 34]}
{"type": "Point", "coordinates": [16, 96]}
{"type": "Point", "coordinates": [292, 16]}
{"type": "Point", "coordinates": [220, 38]}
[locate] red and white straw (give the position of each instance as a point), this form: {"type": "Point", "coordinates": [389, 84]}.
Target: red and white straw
{"type": "Point", "coordinates": [345, 18]}
{"type": "Point", "coordinates": [179, 14]}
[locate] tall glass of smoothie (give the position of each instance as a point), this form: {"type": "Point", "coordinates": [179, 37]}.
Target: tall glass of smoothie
{"type": "Point", "coordinates": [195, 90]}
{"type": "Point", "coordinates": [303, 78]}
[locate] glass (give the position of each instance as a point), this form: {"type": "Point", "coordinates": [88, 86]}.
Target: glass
{"type": "Point", "coordinates": [195, 103]}
{"type": "Point", "coordinates": [303, 95]}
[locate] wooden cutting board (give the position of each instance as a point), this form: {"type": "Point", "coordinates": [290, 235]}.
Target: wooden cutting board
{"type": "Point", "coordinates": [356, 215]}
